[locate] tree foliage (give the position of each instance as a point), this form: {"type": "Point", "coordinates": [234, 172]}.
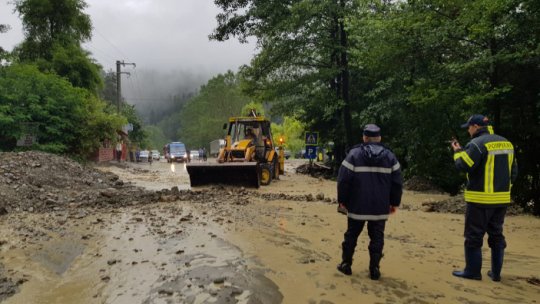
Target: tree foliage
{"type": "Point", "coordinates": [202, 118]}
{"type": "Point", "coordinates": [417, 68]}
{"type": "Point", "coordinates": [54, 31]}
{"type": "Point", "coordinates": [292, 132]}
{"type": "Point", "coordinates": [70, 120]}
{"type": "Point", "coordinates": [302, 65]}
{"type": "Point", "coordinates": [156, 139]}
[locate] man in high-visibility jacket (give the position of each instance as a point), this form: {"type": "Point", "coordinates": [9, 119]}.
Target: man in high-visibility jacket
{"type": "Point", "coordinates": [490, 164]}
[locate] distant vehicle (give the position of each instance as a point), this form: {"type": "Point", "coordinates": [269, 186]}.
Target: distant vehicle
{"type": "Point", "coordinates": [287, 154]}
{"type": "Point", "coordinates": [300, 154]}
{"type": "Point", "coordinates": [144, 156]}
{"type": "Point", "coordinates": [194, 155]}
{"type": "Point", "coordinates": [155, 155]}
{"type": "Point", "coordinates": [176, 152]}
{"type": "Point", "coordinates": [215, 146]}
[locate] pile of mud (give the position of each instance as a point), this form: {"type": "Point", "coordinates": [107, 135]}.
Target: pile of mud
{"type": "Point", "coordinates": [456, 204]}
{"type": "Point", "coordinates": [41, 182]}
{"type": "Point", "coordinates": [8, 286]}
{"type": "Point", "coordinates": [316, 170]}
{"type": "Point", "coordinates": [236, 196]}
{"type": "Point", "coordinates": [421, 184]}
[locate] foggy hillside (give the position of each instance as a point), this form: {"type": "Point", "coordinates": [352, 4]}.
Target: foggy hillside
{"type": "Point", "coordinates": [157, 94]}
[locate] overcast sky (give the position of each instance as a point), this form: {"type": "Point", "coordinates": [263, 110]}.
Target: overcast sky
{"type": "Point", "coordinates": [158, 34]}
{"type": "Point", "coordinates": [167, 39]}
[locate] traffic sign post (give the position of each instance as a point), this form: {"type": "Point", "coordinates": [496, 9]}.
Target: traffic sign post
{"type": "Point", "coordinates": [311, 152]}
{"type": "Point", "coordinates": [312, 138]}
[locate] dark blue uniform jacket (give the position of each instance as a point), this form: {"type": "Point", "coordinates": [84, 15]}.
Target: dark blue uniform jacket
{"type": "Point", "coordinates": [369, 181]}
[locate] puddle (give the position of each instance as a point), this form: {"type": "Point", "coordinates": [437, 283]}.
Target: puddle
{"type": "Point", "coordinates": [163, 253]}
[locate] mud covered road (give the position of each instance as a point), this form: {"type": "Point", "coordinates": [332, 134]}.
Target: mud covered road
{"type": "Point", "coordinates": [134, 233]}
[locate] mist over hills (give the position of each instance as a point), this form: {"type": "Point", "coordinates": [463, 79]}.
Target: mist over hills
{"type": "Point", "coordinates": [157, 93]}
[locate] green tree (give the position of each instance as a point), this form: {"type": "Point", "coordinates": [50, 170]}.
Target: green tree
{"type": "Point", "coordinates": [156, 138]}
{"type": "Point", "coordinates": [70, 120]}
{"type": "Point", "coordinates": [292, 131]}
{"type": "Point", "coordinates": [138, 134]}
{"type": "Point", "coordinates": [203, 116]}
{"type": "Point", "coordinates": [427, 65]}
{"type": "Point", "coordinates": [253, 105]}
{"type": "Point", "coordinates": [303, 62]}
{"type": "Point", "coordinates": [3, 28]}
{"type": "Point", "coordinates": [54, 31]}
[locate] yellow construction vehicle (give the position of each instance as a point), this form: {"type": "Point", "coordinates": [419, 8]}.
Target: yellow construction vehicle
{"type": "Point", "coordinates": [249, 157]}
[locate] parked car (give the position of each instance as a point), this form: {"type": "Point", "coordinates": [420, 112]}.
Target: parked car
{"type": "Point", "coordinates": [287, 154]}
{"type": "Point", "coordinates": [194, 154]}
{"type": "Point", "coordinates": [144, 156]}
{"type": "Point", "coordinates": [156, 155]}
{"type": "Point", "coordinates": [300, 154]}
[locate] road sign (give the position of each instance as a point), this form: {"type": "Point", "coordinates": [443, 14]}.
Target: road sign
{"type": "Point", "coordinates": [312, 138]}
{"type": "Point", "coordinates": [311, 152]}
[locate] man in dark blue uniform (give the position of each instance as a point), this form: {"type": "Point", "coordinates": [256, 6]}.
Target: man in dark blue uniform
{"type": "Point", "coordinates": [369, 189]}
{"type": "Point", "coordinates": [488, 159]}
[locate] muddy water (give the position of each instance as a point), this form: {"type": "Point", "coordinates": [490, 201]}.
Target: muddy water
{"type": "Point", "coordinates": [161, 253]}
{"type": "Point", "coordinates": [158, 254]}
{"type": "Point", "coordinates": [254, 252]}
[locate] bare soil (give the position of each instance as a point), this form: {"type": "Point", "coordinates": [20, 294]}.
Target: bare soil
{"type": "Point", "coordinates": [137, 233]}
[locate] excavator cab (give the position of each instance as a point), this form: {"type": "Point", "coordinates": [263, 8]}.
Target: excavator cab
{"type": "Point", "coordinates": [249, 157]}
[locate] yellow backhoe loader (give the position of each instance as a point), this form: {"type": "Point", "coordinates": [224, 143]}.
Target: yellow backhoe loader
{"type": "Point", "coordinates": [249, 157]}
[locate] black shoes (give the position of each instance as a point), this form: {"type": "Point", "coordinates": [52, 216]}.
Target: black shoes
{"type": "Point", "coordinates": [345, 268]}
{"type": "Point", "coordinates": [497, 257]}
{"type": "Point", "coordinates": [494, 278]}
{"type": "Point", "coordinates": [374, 273]}
{"type": "Point", "coordinates": [473, 264]}
{"type": "Point", "coordinates": [467, 275]}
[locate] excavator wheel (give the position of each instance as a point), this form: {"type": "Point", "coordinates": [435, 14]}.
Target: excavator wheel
{"type": "Point", "coordinates": [275, 168]}
{"type": "Point", "coordinates": [266, 174]}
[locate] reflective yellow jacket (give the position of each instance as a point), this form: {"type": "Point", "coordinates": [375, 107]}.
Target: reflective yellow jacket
{"type": "Point", "coordinates": [491, 168]}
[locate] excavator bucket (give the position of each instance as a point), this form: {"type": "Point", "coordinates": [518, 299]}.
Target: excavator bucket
{"type": "Point", "coordinates": [231, 173]}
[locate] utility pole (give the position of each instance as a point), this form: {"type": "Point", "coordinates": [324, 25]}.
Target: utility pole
{"type": "Point", "coordinates": [119, 82]}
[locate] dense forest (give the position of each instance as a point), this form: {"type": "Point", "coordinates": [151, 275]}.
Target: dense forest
{"type": "Point", "coordinates": [417, 68]}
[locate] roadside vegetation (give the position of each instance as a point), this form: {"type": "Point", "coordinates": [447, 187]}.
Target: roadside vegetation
{"type": "Point", "coordinates": [416, 68]}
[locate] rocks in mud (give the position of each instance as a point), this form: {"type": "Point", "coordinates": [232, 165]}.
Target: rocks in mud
{"type": "Point", "coordinates": [316, 170]}
{"type": "Point", "coordinates": [8, 285]}
{"type": "Point", "coordinates": [456, 204]}
{"type": "Point", "coordinates": [41, 182]}
{"type": "Point", "coordinates": [417, 183]}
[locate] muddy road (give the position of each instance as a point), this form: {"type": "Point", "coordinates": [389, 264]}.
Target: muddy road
{"type": "Point", "coordinates": [277, 244]}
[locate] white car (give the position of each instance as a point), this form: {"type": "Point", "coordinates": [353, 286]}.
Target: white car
{"type": "Point", "coordinates": [194, 154]}
{"type": "Point", "coordinates": [156, 155]}
{"type": "Point", "coordinates": [144, 156]}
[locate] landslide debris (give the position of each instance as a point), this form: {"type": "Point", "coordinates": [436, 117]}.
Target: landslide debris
{"type": "Point", "coordinates": [421, 184]}
{"type": "Point", "coordinates": [41, 182]}
{"type": "Point", "coordinates": [316, 170]}
{"type": "Point", "coordinates": [456, 204]}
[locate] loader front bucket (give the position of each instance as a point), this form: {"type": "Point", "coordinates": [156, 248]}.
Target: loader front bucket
{"type": "Point", "coordinates": [241, 174]}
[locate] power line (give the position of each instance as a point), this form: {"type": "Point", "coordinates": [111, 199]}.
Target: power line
{"type": "Point", "coordinates": [114, 46]}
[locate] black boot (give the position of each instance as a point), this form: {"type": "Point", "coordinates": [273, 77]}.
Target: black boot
{"type": "Point", "coordinates": [374, 260]}
{"type": "Point", "coordinates": [473, 261]}
{"type": "Point", "coordinates": [497, 256]}
{"type": "Point", "coordinates": [345, 268]}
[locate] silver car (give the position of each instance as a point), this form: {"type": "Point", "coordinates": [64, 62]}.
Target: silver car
{"type": "Point", "coordinates": [194, 154]}
{"type": "Point", "coordinates": [156, 155]}
{"type": "Point", "coordinates": [144, 156]}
